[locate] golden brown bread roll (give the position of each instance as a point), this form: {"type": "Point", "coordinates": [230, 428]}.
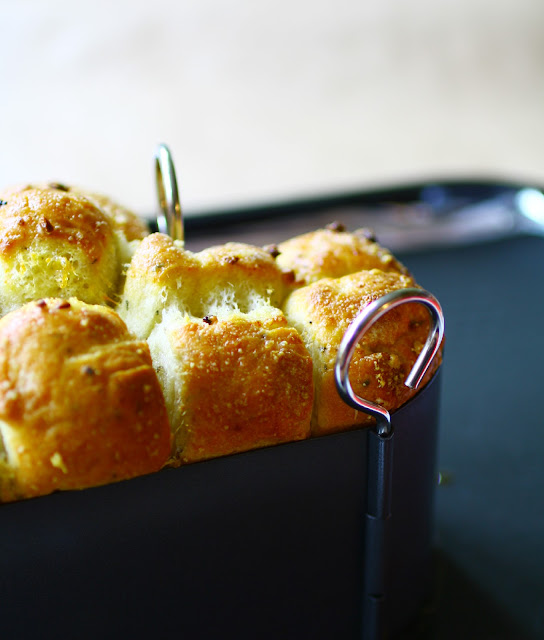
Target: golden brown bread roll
{"type": "Point", "coordinates": [80, 403]}
{"type": "Point", "coordinates": [332, 253]}
{"type": "Point", "coordinates": [55, 242]}
{"type": "Point", "coordinates": [218, 280]}
{"type": "Point", "coordinates": [129, 224]}
{"type": "Point", "coordinates": [322, 312]}
{"type": "Point", "coordinates": [235, 375]}
{"type": "Point", "coordinates": [232, 384]}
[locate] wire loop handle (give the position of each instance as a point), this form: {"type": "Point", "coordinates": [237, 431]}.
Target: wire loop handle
{"type": "Point", "coordinates": [170, 218]}
{"type": "Point", "coordinates": [358, 328]}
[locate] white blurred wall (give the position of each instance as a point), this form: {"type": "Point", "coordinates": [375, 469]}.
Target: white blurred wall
{"type": "Point", "coordinates": [268, 99]}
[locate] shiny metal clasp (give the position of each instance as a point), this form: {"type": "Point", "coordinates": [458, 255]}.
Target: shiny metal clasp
{"type": "Point", "coordinates": [368, 316]}
{"type": "Point", "coordinates": [170, 218]}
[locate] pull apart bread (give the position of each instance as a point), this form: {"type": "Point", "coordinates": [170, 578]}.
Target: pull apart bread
{"type": "Point", "coordinates": [122, 352]}
{"type": "Point", "coordinates": [235, 375]}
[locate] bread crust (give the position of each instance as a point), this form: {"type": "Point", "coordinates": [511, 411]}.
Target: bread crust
{"type": "Point", "coordinates": [80, 403]}
{"type": "Point", "coordinates": [132, 226]}
{"type": "Point", "coordinates": [245, 384]}
{"type": "Point", "coordinates": [51, 214]}
{"type": "Point", "coordinates": [122, 219]}
{"type": "Point", "coordinates": [334, 252]}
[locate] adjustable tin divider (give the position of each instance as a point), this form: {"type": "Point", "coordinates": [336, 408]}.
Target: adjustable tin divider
{"type": "Point", "coordinates": [380, 468]}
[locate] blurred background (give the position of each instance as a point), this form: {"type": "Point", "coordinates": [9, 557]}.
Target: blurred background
{"type": "Point", "coordinates": [270, 99]}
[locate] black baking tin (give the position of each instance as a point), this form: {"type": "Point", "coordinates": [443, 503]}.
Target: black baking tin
{"type": "Point", "coordinates": [263, 544]}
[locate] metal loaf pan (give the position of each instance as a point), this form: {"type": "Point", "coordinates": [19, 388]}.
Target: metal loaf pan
{"type": "Point", "coordinates": [263, 544]}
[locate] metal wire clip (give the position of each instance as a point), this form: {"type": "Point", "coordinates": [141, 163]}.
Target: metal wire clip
{"type": "Point", "coordinates": [358, 328]}
{"type": "Point", "coordinates": [170, 218]}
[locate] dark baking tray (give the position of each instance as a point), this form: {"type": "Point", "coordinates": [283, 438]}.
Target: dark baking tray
{"type": "Point", "coordinates": [276, 221]}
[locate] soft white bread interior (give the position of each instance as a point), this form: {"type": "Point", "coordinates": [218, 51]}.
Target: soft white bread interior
{"type": "Point", "coordinates": [235, 375]}
{"type": "Point", "coordinates": [80, 403]}
{"type": "Point", "coordinates": [322, 311]}
{"type": "Point", "coordinates": [60, 242]}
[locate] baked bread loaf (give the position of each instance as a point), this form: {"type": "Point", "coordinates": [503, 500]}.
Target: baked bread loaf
{"type": "Point", "coordinates": [322, 311]}
{"type": "Point", "coordinates": [80, 403]}
{"type": "Point", "coordinates": [60, 242]}
{"type": "Point", "coordinates": [235, 375]}
{"type": "Point", "coordinates": [200, 355]}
